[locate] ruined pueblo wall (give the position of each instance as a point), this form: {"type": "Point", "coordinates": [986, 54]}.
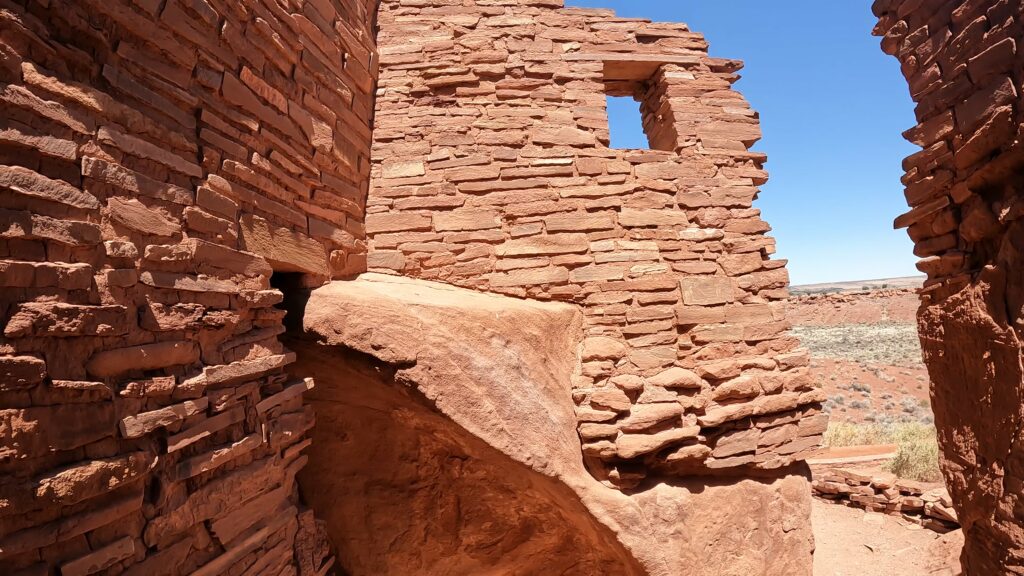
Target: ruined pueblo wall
{"type": "Point", "coordinates": [158, 162]}
{"type": "Point", "coordinates": [492, 171]}
{"type": "Point", "coordinates": [963, 63]}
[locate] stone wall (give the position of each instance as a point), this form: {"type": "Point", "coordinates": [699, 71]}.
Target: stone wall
{"type": "Point", "coordinates": [492, 171]}
{"type": "Point", "coordinates": [963, 63]}
{"type": "Point", "coordinates": [159, 161]}
{"type": "Point", "coordinates": [883, 492]}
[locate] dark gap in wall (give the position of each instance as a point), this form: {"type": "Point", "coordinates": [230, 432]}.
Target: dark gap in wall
{"type": "Point", "coordinates": [296, 295]}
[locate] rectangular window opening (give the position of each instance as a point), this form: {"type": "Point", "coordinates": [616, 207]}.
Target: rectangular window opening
{"type": "Point", "coordinates": [625, 124]}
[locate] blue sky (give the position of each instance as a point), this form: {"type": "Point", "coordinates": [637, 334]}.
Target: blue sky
{"type": "Point", "coordinates": [832, 109]}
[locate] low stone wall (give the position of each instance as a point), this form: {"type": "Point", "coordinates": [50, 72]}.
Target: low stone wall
{"type": "Point", "coordinates": [867, 307]}
{"type": "Point", "coordinates": [885, 493]}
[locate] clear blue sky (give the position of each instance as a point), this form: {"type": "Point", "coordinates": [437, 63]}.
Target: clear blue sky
{"type": "Point", "coordinates": [832, 109]}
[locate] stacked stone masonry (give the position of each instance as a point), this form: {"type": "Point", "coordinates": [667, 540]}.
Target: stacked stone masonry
{"type": "Point", "coordinates": [159, 161]}
{"type": "Point", "coordinates": [962, 61]}
{"type": "Point", "coordinates": [886, 494]}
{"type": "Point", "coordinates": [492, 171]}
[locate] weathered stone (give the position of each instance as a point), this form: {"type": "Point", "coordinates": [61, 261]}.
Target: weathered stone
{"type": "Point", "coordinates": [154, 356]}
{"type": "Point", "coordinates": [396, 320]}
{"type": "Point", "coordinates": [20, 372]}
{"type": "Point", "coordinates": [603, 348]}
{"type": "Point", "coordinates": [66, 320]}
{"type": "Point", "coordinates": [24, 181]}
{"type": "Point", "coordinates": [466, 220]}
{"type": "Point", "coordinates": [544, 245]}
{"type": "Point", "coordinates": [637, 217]}
{"type": "Point", "coordinates": [141, 424]}
{"type": "Point", "coordinates": [100, 559]}
{"type": "Point", "coordinates": [284, 249]}
{"type": "Point", "coordinates": [611, 398]}
{"type": "Point", "coordinates": [564, 137]}
{"type": "Point", "coordinates": [706, 290]}
{"type": "Point", "coordinates": [643, 416]}
{"type": "Point", "coordinates": [136, 216]}
{"type": "Point", "coordinates": [29, 226]}
{"type": "Point", "coordinates": [676, 377]}
{"type": "Point", "coordinates": [42, 429]}
{"type": "Point", "coordinates": [633, 445]}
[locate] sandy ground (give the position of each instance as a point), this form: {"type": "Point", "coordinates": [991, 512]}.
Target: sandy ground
{"type": "Point", "coordinates": [852, 542]}
{"type": "Point", "coordinates": [873, 389]}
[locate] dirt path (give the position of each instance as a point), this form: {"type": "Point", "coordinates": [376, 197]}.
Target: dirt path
{"type": "Point", "coordinates": [851, 542]}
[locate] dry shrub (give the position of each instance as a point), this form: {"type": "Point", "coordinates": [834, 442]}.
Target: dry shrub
{"type": "Point", "coordinates": [917, 457]}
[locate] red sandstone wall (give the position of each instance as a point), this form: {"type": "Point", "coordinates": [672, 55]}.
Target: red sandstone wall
{"type": "Point", "coordinates": [492, 171]}
{"type": "Point", "coordinates": [158, 161]}
{"type": "Point", "coordinates": [963, 63]}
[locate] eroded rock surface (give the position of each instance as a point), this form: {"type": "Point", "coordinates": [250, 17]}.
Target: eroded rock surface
{"type": "Point", "coordinates": [962, 61]}
{"type": "Point", "coordinates": [457, 377]}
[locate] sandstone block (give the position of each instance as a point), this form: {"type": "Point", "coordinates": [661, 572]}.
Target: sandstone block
{"type": "Point", "coordinates": [628, 382]}
{"type": "Point", "coordinates": [284, 249]}
{"type": "Point", "coordinates": [575, 222]}
{"type": "Point", "coordinates": [603, 348]}
{"type": "Point", "coordinates": [690, 315]}
{"type": "Point", "coordinates": [738, 388]}
{"type": "Point", "coordinates": [144, 149]}
{"type": "Point", "coordinates": [134, 182]}
{"type": "Point", "coordinates": [544, 245]}
{"type": "Point", "coordinates": [633, 445]}
{"type": "Point", "coordinates": [20, 372]}
{"type": "Point", "coordinates": [142, 424]}
{"type": "Point", "coordinates": [565, 136]}
{"type": "Point", "coordinates": [166, 318]}
{"type": "Point", "coordinates": [529, 277]}
{"type": "Point", "coordinates": [66, 320]}
{"type": "Point", "coordinates": [611, 398]}
{"type": "Point", "coordinates": [28, 432]}
{"type": "Point", "coordinates": [676, 377]}
{"type": "Point", "coordinates": [706, 290]}
{"type": "Point", "coordinates": [29, 183]}
{"type": "Point", "coordinates": [403, 169]}
{"type": "Point", "coordinates": [29, 226]}
{"type": "Point", "coordinates": [377, 222]}
{"type": "Point", "coordinates": [98, 560]}
{"type": "Point", "coordinates": [644, 416]}
{"type": "Point", "coordinates": [591, 431]}
{"type": "Point", "coordinates": [642, 217]}
{"type": "Point", "coordinates": [79, 482]}
{"type": "Point", "coordinates": [136, 216]}
{"type": "Point", "coordinates": [159, 355]}
{"type": "Point", "coordinates": [188, 282]}
{"type": "Point", "coordinates": [466, 220]}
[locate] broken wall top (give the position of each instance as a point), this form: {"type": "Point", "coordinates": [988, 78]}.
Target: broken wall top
{"type": "Point", "coordinates": [492, 171]}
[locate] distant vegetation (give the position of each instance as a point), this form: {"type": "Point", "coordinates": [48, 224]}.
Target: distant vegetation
{"type": "Point", "coordinates": [858, 285]}
{"type": "Point", "coordinates": [893, 344]}
{"type": "Point", "coordinates": [918, 455]}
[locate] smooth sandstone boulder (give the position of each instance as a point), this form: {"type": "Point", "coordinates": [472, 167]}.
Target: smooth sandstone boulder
{"type": "Point", "coordinates": [433, 400]}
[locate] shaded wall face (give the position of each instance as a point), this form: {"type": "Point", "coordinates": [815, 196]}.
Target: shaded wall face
{"type": "Point", "coordinates": [491, 171]}
{"type": "Point", "coordinates": [158, 161]}
{"type": "Point", "coordinates": [403, 489]}
{"type": "Point", "coordinates": [963, 63]}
